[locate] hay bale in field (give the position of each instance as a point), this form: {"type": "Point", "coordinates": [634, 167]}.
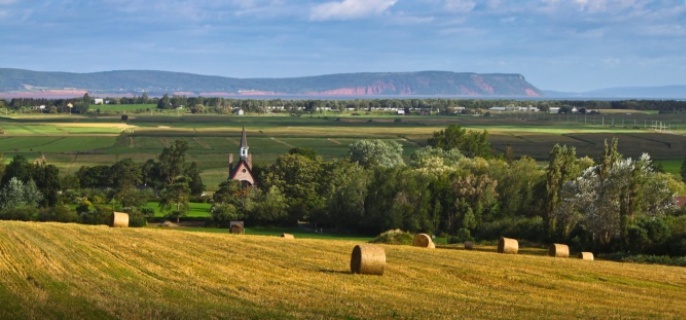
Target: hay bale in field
{"type": "Point", "coordinates": [423, 240]}
{"type": "Point", "coordinates": [558, 250]}
{"type": "Point", "coordinates": [119, 220]}
{"type": "Point", "coordinates": [168, 224]}
{"type": "Point", "coordinates": [507, 245]}
{"type": "Point", "coordinates": [287, 236]}
{"type": "Point", "coordinates": [236, 227]}
{"type": "Point", "coordinates": [395, 236]}
{"type": "Point", "coordinates": [469, 245]}
{"type": "Point", "coordinates": [586, 256]}
{"type": "Point", "coordinates": [368, 259]}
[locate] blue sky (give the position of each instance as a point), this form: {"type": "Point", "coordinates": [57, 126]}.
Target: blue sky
{"type": "Point", "coordinates": [566, 45]}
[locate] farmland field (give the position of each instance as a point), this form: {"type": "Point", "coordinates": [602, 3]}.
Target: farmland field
{"type": "Point", "coordinates": [72, 141]}
{"type": "Point", "coordinates": [67, 271]}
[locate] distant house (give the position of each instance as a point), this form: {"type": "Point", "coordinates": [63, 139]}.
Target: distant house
{"type": "Point", "coordinates": [239, 111]}
{"type": "Point", "coordinates": [98, 101]}
{"type": "Point", "coordinates": [401, 112]}
{"type": "Point", "coordinates": [554, 110]}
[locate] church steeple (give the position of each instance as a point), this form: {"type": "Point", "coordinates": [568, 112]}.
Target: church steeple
{"type": "Point", "coordinates": [244, 146]}
{"type": "Point", "coordinates": [242, 171]}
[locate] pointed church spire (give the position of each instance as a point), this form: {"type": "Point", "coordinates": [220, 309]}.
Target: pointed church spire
{"type": "Point", "coordinates": [244, 146]}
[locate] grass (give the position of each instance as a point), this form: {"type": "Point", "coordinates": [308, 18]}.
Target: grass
{"type": "Point", "coordinates": [70, 142]}
{"type": "Point", "coordinates": [58, 271]}
{"type": "Point", "coordinates": [196, 209]}
{"type": "Point", "coordinates": [299, 233]}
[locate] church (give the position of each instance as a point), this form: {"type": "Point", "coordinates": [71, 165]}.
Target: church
{"type": "Point", "coordinates": [242, 170]}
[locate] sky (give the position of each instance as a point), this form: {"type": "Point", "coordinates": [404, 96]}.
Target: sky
{"type": "Point", "coordinates": [563, 45]}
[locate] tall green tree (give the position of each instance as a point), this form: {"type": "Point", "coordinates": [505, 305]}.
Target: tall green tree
{"type": "Point", "coordinates": [298, 178]}
{"type": "Point", "coordinates": [562, 167]}
{"type": "Point", "coordinates": [371, 153]}
{"type": "Point", "coordinates": [164, 102]}
{"type": "Point", "coordinates": [175, 197]}
{"type": "Point", "coordinates": [682, 170]}
{"type": "Point", "coordinates": [470, 143]}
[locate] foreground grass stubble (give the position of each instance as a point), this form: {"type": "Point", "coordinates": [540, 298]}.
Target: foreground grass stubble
{"type": "Point", "coordinates": [55, 271]}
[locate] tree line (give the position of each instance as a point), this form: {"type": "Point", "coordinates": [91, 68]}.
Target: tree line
{"type": "Point", "coordinates": [455, 187]}
{"type": "Point", "coordinates": [444, 106]}
{"type": "Point", "coordinates": [34, 191]}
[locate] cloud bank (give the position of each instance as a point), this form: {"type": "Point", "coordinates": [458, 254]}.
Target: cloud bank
{"type": "Point", "coordinates": [349, 9]}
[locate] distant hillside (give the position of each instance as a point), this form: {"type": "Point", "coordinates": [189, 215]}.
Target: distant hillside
{"type": "Point", "coordinates": [660, 92]}
{"type": "Point", "coordinates": [424, 83]}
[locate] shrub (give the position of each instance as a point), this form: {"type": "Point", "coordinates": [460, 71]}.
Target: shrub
{"type": "Point", "coordinates": [22, 213]}
{"type": "Point", "coordinates": [461, 236]}
{"type": "Point", "coordinates": [136, 217]}
{"type": "Point", "coordinates": [518, 227]}
{"type": "Point", "coordinates": [395, 236]}
{"type": "Point", "coordinates": [58, 213]}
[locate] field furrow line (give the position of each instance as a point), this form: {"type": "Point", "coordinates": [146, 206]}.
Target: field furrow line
{"type": "Point", "coordinates": [201, 143]}
{"type": "Point", "coordinates": [334, 141]}
{"type": "Point", "coordinates": [282, 142]}
{"type": "Point", "coordinates": [232, 141]}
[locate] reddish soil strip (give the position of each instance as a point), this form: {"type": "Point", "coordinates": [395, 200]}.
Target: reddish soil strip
{"type": "Point", "coordinates": [165, 142]}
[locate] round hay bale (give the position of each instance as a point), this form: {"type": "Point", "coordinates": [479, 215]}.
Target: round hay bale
{"type": "Point", "coordinates": [167, 224]}
{"type": "Point", "coordinates": [469, 245]}
{"type": "Point", "coordinates": [119, 220]}
{"type": "Point", "coordinates": [507, 245]}
{"type": "Point", "coordinates": [368, 259]}
{"type": "Point", "coordinates": [422, 240]}
{"type": "Point", "coordinates": [586, 256]}
{"type": "Point", "coordinates": [236, 229]}
{"type": "Point", "coordinates": [558, 250]}
{"type": "Point", "coordinates": [287, 236]}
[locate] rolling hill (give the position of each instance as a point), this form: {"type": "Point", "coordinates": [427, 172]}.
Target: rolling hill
{"type": "Point", "coordinates": [66, 271]}
{"type": "Point", "coordinates": [156, 83]}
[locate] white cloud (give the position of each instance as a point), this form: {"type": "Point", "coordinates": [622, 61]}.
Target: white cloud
{"type": "Point", "coordinates": [460, 6]}
{"type": "Point", "coordinates": [350, 9]}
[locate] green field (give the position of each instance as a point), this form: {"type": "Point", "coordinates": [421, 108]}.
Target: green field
{"type": "Point", "coordinates": [70, 142]}
{"type": "Point", "coordinates": [68, 271]}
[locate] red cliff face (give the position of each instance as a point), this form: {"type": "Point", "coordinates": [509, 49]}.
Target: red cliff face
{"type": "Point", "coordinates": [480, 82]}
{"type": "Point", "coordinates": [377, 88]}
{"type": "Point", "coordinates": [531, 93]}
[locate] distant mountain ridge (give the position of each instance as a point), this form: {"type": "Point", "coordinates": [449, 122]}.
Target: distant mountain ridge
{"type": "Point", "coordinates": [654, 92]}
{"type": "Point", "coordinates": [422, 83]}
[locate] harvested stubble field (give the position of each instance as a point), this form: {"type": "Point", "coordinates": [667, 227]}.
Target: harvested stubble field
{"type": "Point", "coordinates": [65, 271]}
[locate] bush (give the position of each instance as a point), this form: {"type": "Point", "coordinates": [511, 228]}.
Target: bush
{"type": "Point", "coordinates": [58, 213]}
{"type": "Point", "coordinates": [101, 215]}
{"type": "Point", "coordinates": [461, 236]}
{"type": "Point", "coordinates": [531, 229]}
{"type": "Point", "coordinates": [395, 236]}
{"type": "Point", "coordinates": [649, 236]}
{"type": "Point", "coordinates": [224, 213]}
{"type": "Point", "coordinates": [23, 213]}
{"type": "Point", "coordinates": [136, 217]}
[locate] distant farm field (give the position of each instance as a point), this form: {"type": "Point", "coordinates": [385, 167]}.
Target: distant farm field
{"type": "Point", "coordinates": [68, 271]}
{"type": "Point", "coordinates": [73, 141]}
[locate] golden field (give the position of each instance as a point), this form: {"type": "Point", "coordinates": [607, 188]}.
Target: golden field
{"type": "Point", "coordinates": [66, 271]}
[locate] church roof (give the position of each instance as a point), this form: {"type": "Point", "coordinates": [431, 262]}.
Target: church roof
{"type": "Point", "coordinates": [244, 140]}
